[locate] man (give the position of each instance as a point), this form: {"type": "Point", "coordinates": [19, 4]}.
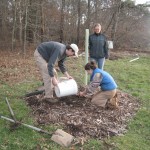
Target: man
{"type": "Point", "coordinates": [46, 56]}
{"type": "Point", "coordinates": [98, 47]}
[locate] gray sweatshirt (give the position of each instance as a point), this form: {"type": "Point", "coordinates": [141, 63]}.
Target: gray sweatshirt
{"type": "Point", "coordinates": [53, 52]}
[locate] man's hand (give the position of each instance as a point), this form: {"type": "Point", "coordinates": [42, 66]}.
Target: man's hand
{"type": "Point", "coordinates": [54, 81]}
{"type": "Point", "coordinates": [68, 76]}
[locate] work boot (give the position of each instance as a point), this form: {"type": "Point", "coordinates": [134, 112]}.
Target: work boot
{"type": "Point", "coordinates": [112, 103]}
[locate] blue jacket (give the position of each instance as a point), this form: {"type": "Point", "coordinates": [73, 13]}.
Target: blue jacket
{"type": "Point", "coordinates": [98, 47]}
{"type": "Point", "coordinates": [107, 82]}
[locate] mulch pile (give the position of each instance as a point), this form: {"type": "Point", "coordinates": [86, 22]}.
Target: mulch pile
{"type": "Point", "coordinates": [80, 118]}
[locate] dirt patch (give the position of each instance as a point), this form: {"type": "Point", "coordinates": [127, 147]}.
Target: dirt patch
{"type": "Point", "coordinates": [80, 118]}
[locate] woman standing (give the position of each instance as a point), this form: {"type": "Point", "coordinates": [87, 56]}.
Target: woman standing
{"type": "Point", "coordinates": [98, 47]}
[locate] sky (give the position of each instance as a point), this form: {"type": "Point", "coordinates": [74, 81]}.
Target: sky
{"type": "Point", "coordinates": [141, 1]}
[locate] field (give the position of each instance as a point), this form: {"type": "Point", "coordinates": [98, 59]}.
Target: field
{"type": "Point", "coordinates": [19, 75]}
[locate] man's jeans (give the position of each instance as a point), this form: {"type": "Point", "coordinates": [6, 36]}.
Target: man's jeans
{"type": "Point", "coordinates": [99, 61]}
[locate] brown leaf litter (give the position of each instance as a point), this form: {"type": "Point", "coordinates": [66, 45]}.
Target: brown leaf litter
{"type": "Point", "coordinates": [80, 118]}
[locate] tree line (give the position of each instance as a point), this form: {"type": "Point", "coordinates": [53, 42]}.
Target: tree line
{"type": "Point", "coordinates": [29, 22]}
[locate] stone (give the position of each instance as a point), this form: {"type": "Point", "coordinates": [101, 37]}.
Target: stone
{"type": "Point", "coordinates": [63, 138]}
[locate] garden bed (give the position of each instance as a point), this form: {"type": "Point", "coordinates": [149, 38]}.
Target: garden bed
{"type": "Point", "coordinates": [80, 118]}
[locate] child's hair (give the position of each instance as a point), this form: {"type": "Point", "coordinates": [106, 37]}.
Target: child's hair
{"type": "Point", "coordinates": [91, 65]}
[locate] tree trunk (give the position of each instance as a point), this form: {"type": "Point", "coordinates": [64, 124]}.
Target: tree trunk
{"type": "Point", "coordinates": [42, 22]}
{"type": "Point", "coordinates": [62, 22]}
{"type": "Point", "coordinates": [96, 3]}
{"type": "Point", "coordinates": [78, 27]}
{"type": "Point", "coordinates": [25, 27]}
{"type": "Point", "coordinates": [20, 24]}
{"type": "Point", "coordinates": [115, 21]}
{"type": "Point", "coordinates": [14, 26]}
{"type": "Point", "coordinates": [88, 15]}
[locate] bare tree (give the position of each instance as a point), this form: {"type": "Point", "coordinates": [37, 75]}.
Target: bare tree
{"type": "Point", "coordinates": [88, 15]}
{"type": "Point", "coordinates": [116, 19]}
{"type": "Point", "coordinates": [14, 25]}
{"type": "Point", "coordinates": [30, 22]}
{"type": "Point", "coordinates": [62, 22]}
{"type": "Point", "coordinates": [20, 22]}
{"type": "Point", "coordinates": [96, 10]}
{"type": "Point", "coordinates": [42, 21]}
{"type": "Point", "coordinates": [79, 18]}
{"type": "Point", "coordinates": [25, 27]}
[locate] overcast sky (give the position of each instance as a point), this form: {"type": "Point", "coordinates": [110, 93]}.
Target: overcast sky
{"type": "Point", "coordinates": [141, 1]}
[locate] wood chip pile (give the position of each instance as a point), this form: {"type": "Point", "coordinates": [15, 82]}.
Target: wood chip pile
{"type": "Point", "coordinates": [80, 118]}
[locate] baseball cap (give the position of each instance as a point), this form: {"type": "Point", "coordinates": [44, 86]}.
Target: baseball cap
{"type": "Point", "coordinates": [75, 48]}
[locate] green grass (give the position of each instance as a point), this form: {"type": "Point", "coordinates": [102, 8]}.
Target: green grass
{"type": "Point", "coordinates": [133, 78]}
{"type": "Point", "coordinates": [23, 137]}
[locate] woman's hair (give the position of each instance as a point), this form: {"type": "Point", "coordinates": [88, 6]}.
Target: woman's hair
{"type": "Point", "coordinates": [91, 65]}
{"type": "Point", "coordinates": [97, 25]}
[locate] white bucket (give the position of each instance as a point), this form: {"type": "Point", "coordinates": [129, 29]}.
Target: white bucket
{"type": "Point", "coordinates": [110, 44]}
{"type": "Point", "coordinates": [66, 87]}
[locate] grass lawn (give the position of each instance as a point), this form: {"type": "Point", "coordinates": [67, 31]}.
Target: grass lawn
{"type": "Point", "coordinates": [133, 78]}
